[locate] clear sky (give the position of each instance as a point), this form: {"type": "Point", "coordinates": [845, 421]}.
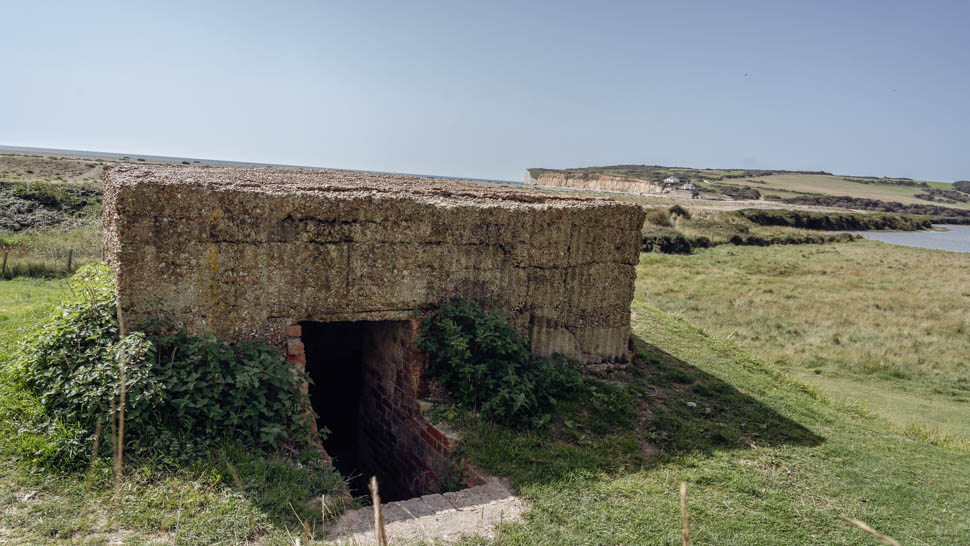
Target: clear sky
{"type": "Point", "coordinates": [487, 89]}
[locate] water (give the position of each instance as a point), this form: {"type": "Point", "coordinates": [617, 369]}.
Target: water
{"type": "Point", "coordinates": [955, 240]}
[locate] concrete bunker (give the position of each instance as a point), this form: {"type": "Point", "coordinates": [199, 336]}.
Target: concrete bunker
{"type": "Point", "coordinates": [332, 265]}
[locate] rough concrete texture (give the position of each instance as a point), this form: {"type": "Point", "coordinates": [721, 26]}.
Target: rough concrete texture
{"type": "Point", "coordinates": [448, 517]}
{"type": "Point", "coordinates": [594, 182]}
{"type": "Point", "coordinates": [245, 252]}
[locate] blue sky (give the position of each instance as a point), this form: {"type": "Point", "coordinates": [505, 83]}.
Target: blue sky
{"type": "Point", "coordinates": [488, 89]}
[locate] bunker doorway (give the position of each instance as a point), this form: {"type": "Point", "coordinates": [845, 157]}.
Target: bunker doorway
{"type": "Point", "coordinates": [363, 390]}
{"type": "Point", "coordinates": [333, 353]}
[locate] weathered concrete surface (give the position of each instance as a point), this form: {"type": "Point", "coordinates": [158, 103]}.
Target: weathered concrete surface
{"type": "Point", "coordinates": [594, 182]}
{"type": "Point", "coordinates": [244, 252]}
{"type": "Point", "coordinates": [448, 517]}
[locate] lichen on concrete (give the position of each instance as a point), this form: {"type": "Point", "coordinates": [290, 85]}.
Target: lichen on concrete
{"type": "Point", "coordinates": [244, 252]}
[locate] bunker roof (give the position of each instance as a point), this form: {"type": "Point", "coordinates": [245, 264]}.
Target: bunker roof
{"type": "Point", "coordinates": [344, 184]}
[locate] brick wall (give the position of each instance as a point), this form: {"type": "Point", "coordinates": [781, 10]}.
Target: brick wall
{"type": "Point", "coordinates": [395, 438]}
{"type": "Point", "coordinates": [409, 455]}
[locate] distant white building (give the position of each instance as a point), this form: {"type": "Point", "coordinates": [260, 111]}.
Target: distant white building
{"type": "Point", "coordinates": [672, 180]}
{"type": "Point", "coordinates": [689, 186]}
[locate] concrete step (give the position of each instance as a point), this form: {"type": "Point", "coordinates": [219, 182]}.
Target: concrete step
{"type": "Point", "coordinates": [444, 517]}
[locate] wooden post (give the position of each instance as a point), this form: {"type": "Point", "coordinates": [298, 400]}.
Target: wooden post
{"type": "Point", "coordinates": [120, 437]}
{"type": "Point", "coordinates": [380, 536]}
{"type": "Point", "coordinates": [4, 272]}
{"type": "Point", "coordinates": [683, 513]}
{"type": "Point", "coordinates": [70, 259]}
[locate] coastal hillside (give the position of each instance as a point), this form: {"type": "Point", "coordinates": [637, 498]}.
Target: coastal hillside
{"type": "Point", "coordinates": [795, 188]}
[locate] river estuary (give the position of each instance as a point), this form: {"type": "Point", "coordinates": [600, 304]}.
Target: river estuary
{"type": "Point", "coordinates": [957, 239]}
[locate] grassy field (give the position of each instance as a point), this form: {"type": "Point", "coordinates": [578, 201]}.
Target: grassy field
{"type": "Point", "coordinates": [787, 184]}
{"type": "Point", "coordinates": [717, 184]}
{"type": "Point", "coordinates": [767, 459]}
{"type": "Point", "coordinates": [885, 326]}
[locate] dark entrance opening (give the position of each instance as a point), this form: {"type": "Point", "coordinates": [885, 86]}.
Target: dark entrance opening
{"type": "Point", "coordinates": [366, 376]}
{"type": "Point", "coordinates": [334, 363]}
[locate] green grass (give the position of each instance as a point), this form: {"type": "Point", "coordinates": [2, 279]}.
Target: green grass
{"type": "Point", "coordinates": [706, 227]}
{"type": "Point", "coordinates": [881, 325]}
{"type": "Point", "coordinates": [230, 497]}
{"type": "Point", "coordinates": [23, 302]}
{"type": "Point", "coordinates": [784, 184]}
{"type": "Point", "coordinates": [48, 252]}
{"type": "Point", "coordinates": [767, 458]}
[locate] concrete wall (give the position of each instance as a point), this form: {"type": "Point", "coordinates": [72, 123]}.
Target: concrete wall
{"type": "Point", "coordinates": [243, 253]}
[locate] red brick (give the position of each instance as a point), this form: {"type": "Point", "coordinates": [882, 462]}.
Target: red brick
{"type": "Point", "coordinates": [296, 359]}
{"type": "Point", "coordinates": [294, 347]}
{"type": "Point", "coordinates": [436, 434]}
{"type": "Point", "coordinates": [294, 330]}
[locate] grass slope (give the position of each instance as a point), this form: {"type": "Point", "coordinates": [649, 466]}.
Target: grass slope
{"type": "Point", "coordinates": [882, 325]}
{"type": "Point", "coordinates": [766, 459]}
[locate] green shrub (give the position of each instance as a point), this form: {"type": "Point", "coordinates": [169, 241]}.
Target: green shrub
{"type": "Point", "coordinates": [672, 242]}
{"type": "Point", "coordinates": [659, 217]}
{"type": "Point", "coordinates": [484, 364]}
{"type": "Point", "coordinates": [678, 210]}
{"type": "Point", "coordinates": [184, 394]}
{"type": "Point", "coordinates": [211, 389]}
{"type": "Point", "coordinates": [834, 221]}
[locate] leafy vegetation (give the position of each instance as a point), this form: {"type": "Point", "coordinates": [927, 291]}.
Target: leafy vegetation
{"type": "Point", "coordinates": [962, 185]}
{"type": "Point", "coordinates": [659, 217]}
{"type": "Point", "coordinates": [229, 493]}
{"type": "Point", "coordinates": [886, 181]}
{"type": "Point", "coordinates": [737, 192]}
{"type": "Point", "coordinates": [944, 196]}
{"type": "Point", "coordinates": [185, 395]}
{"type": "Point", "coordinates": [485, 365]}
{"type": "Point", "coordinates": [48, 229]}
{"type": "Point", "coordinates": [834, 221]}
{"type": "Point", "coordinates": [25, 205]}
{"type": "Point", "coordinates": [683, 232]}
{"type": "Point", "coordinates": [952, 215]}
{"type": "Point", "coordinates": [680, 211]}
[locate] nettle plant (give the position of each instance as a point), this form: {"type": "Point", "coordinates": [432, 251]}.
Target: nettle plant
{"type": "Point", "coordinates": [184, 394]}
{"type": "Point", "coordinates": [485, 365]}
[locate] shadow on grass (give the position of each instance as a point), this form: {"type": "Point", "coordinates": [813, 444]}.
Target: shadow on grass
{"type": "Point", "coordinates": [690, 410]}
{"type": "Point", "coordinates": [658, 409]}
